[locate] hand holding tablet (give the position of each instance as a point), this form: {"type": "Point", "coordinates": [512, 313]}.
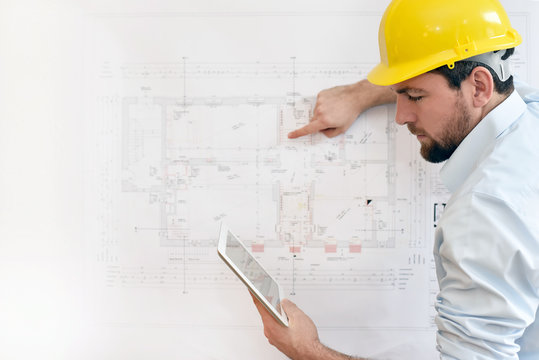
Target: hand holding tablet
{"type": "Point", "coordinates": [262, 285]}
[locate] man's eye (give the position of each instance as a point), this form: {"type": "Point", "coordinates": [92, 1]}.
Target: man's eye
{"type": "Point", "coordinates": [415, 98]}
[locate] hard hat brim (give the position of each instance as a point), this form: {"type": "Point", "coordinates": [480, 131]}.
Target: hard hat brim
{"type": "Point", "coordinates": [384, 74]}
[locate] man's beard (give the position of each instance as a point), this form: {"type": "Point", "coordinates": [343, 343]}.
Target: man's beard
{"type": "Point", "coordinates": [458, 127]}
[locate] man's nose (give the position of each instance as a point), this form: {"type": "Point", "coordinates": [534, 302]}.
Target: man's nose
{"type": "Point", "coordinates": [404, 113]}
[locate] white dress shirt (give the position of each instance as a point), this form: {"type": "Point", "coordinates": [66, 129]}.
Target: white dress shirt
{"type": "Point", "coordinates": [487, 241]}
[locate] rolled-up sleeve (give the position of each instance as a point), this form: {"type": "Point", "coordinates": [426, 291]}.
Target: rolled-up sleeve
{"type": "Point", "coordinates": [487, 269]}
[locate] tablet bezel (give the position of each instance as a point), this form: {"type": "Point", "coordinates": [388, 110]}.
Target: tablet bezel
{"type": "Point", "coordinates": [221, 250]}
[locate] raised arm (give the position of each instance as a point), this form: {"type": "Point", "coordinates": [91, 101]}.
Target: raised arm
{"type": "Point", "coordinates": [337, 108]}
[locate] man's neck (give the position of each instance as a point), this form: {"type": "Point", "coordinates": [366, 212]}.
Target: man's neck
{"type": "Point", "coordinates": [496, 100]}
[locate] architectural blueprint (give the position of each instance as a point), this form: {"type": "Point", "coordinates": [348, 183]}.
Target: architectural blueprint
{"type": "Point", "coordinates": [186, 127]}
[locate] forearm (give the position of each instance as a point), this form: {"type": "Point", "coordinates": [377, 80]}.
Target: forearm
{"type": "Point", "coordinates": [370, 95]}
{"type": "Point", "coordinates": [322, 352]}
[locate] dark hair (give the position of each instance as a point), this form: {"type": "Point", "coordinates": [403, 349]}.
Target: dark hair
{"type": "Point", "coordinates": [464, 68]}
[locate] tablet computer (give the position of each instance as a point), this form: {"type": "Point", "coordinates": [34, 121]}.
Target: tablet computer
{"type": "Point", "coordinates": [261, 284]}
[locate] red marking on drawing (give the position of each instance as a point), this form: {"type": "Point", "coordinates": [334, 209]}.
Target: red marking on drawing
{"type": "Point", "coordinates": [256, 248]}
{"type": "Point", "coordinates": [295, 249]}
{"type": "Point", "coordinates": [331, 248]}
{"type": "Point", "coordinates": [355, 248]}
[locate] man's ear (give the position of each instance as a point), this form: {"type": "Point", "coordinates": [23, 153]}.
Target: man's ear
{"type": "Point", "coordinates": [482, 85]}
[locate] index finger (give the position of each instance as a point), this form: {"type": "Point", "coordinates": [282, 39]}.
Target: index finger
{"type": "Point", "coordinates": [310, 128]}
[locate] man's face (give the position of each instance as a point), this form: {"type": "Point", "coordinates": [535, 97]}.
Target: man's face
{"type": "Point", "coordinates": [438, 115]}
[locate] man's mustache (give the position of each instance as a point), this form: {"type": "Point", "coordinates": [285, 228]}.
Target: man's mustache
{"type": "Point", "coordinates": [412, 129]}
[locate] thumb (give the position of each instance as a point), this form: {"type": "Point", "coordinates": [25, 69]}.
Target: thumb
{"type": "Point", "coordinates": [289, 307]}
{"type": "Point", "coordinates": [332, 132]}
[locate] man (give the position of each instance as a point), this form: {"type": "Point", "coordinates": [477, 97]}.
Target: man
{"type": "Point", "coordinates": [445, 65]}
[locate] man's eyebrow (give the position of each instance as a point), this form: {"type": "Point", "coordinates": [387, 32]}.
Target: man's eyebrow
{"type": "Point", "coordinates": [406, 90]}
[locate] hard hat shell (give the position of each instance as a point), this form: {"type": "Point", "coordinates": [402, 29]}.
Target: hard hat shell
{"type": "Point", "coordinates": [417, 36]}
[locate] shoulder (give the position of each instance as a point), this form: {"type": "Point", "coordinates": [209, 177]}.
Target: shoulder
{"type": "Point", "coordinates": [508, 169]}
{"type": "Point", "coordinates": [502, 191]}
{"type": "Point", "coordinates": [528, 93]}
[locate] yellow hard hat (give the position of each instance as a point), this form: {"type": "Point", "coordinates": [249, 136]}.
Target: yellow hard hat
{"type": "Point", "coordinates": [417, 36]}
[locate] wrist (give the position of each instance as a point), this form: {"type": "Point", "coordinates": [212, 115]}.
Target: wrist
{"type": "Point", "coordinates": [314, 351]}
{"type": "Point", "coordinates": [359, 96]}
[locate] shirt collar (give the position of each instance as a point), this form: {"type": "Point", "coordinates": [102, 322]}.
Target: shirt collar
{"type": "Point", "coordinates": [468, 153]}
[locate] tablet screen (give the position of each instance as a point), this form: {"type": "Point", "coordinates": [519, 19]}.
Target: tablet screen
{"type": "Point", "coordinates": [253, 271]}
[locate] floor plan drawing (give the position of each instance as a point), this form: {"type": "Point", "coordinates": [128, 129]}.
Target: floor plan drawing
{"type": "Point", "coordinates": [187, 128]}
